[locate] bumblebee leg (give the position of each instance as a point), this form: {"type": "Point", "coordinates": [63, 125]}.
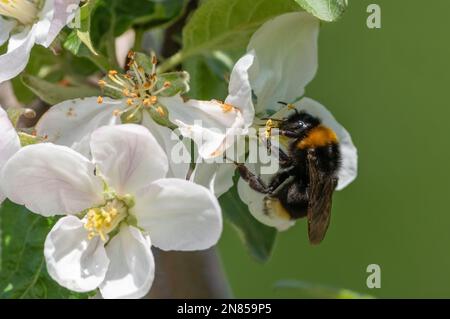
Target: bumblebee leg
{"type": "Point", "coordinates": [254, 181]}
{"type": "Point", "coordinates": [280, 178]}
{"type": "Point", "coordinates": [284, 159]}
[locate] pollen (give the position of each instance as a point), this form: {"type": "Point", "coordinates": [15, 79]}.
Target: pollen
{"type": "Point", "coordinates": [269, 126]}
{"type": "Point", "coordinates": [227, 107]}
{"type": "Point", "coordinates": [100, 221]}
{"type": "Point", "coordinates": [100, 100]}
{"type": "Point", "coordinates": [112, 72]}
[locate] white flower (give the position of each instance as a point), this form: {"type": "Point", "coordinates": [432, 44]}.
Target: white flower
{"type": "Point", "coordinates": [215, 126]}
{"type": "Point", "coordinates": [29, 22]}
{"type": "Point", "coordinates": [283, 61]}
{"type": "Point", "coordinates": [114, 205]}
{"type": "Point", "coordinates": [9, 143]}
{"type": "Point", "coordinates": [72, 122]}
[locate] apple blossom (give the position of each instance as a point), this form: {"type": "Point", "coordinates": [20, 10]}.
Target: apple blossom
{"type": "Point", "coordinates": [276, 72]}
{"type": "Point", "coordinates": [118, 204]}
{"type": "Point", "coordinates": [141, 94]}
{"type": "Point", "coordinates": [29, 22]}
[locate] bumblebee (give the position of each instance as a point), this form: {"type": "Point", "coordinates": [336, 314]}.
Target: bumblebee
{"type": "Point", "coordinates": [307, 177]}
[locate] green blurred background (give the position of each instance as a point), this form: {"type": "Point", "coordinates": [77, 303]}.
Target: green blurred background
{"type": "Point", "coordinates": [390, 88]}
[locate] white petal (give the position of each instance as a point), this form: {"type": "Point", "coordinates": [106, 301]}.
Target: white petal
{"type": "Point", "coordinates": [221, 173]}
{"type": "Point", "coordinates": [5, 28]}
{"type": "Point", "coordinates": [9, 143]}
{"type": "Point", "coordinates": [9, 140]}
{"type": "Point", "coordinates": [72, 122]}
{"type": "Point", "coordinates": [55, 15]}
{"type": "Point", "coordinates": [240, 90]}
{"type": "Point", "coordinates": [16, 58]}
{"type": "Point", "coordinates": [255, 202]}
{"type": "Point", "coordinates": [177, 153]}
{"type": "Point", "coordinates": [128, 156]}
{"type": "Point", "coordinates": [206, 122]}
{"type": "Point", "coordinates": [286, 59]}
{"type": "Point", "coordinates": [179, 215]}
{"type": "Point", "coordinates": [74, 261]}
{"type": "Point", "coordinates": [50, 180]}
{"type": "Point", "coordinates": [132, 268]}
{"type": "Point", "coordinates": [349, 165]}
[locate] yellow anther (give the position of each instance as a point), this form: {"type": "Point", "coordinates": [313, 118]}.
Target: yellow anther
{"type": "Point", "coordinates": [101, 83]}
{"type": "Point", "coordinates": [160, 111]}
{"type": "Point", "coordinates": [102, 220]}
{"type": "Point", "coordinates": [269, 126]}
{"type": "Point", "coordinates": [167, 84]}
{"type": "Point", "coordinates": [130, 102]}
{"type": "Point", "coordinates": [131, 54]}
{"type": "Point", "coordinates": [100, 100]}
{"type": "Point", "coordinates": [112, 72]}
{"type": "Point", "coordinates": [227, 107]}
{"type": "Point", "coordinates": [153, 99]}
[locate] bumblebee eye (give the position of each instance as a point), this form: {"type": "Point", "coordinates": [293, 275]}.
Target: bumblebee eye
{"type": "Point", "coordinates": [301, 124]}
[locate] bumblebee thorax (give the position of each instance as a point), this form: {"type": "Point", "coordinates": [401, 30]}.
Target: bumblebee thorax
{"type": "Point", "coordinates": [318, 136]}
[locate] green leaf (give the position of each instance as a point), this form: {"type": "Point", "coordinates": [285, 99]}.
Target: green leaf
{"type": "Point", "coordinates": [145, 13]}
{"type": "Point", "coordinates": [28, 139]}
{"type": "Point", "coordinates": [83, 32]}
{"type": "Point", "coordinates": [327, 10]}
{"type": "Point", "coordinates": [207, 78]}
{"type": "Point", "coordinates": [23, 272]}
{"type": "Point", "coordinates": [257, 237]}
{"type": "Point", "coordinates": [53, 94]}
{"type": "Point", "coordinates": [227, 24]}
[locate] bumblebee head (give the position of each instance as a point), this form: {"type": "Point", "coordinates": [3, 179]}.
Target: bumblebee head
{"type": "Point", "coordinates": [299, 123]}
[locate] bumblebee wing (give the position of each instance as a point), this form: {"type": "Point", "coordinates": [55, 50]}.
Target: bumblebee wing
{"type": "Point", "coordinates": [320, 192]}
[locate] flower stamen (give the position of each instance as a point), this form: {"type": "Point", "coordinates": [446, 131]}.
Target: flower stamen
{"type": "Point", "coordinates": [102, 220]}
{"type": "Point", "coordinates": [24, 11]}
{"type": "Point", "coordinates": [138, 88]}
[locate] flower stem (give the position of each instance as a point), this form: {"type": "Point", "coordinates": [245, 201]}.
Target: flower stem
{"type": "Point", "coordinates": [171, 62]}
{"type": "Point", "coordinates": [187, 275]}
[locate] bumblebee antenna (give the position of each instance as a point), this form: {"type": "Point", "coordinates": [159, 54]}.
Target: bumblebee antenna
{"type": "Point", "coordinates": [269, 118]}
{"type": "Point", "coordinates": [283, 103]}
